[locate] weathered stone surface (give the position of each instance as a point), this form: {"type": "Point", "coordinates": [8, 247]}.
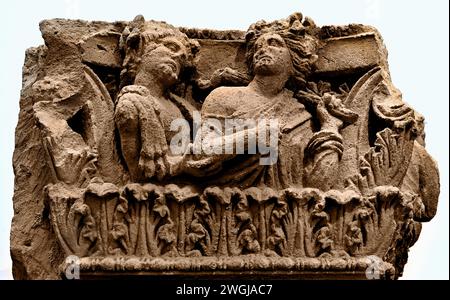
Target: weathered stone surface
{"type": "Point", "coordinates": [125, 165]}
{"type": "Point", "coordinates": [347, 54]}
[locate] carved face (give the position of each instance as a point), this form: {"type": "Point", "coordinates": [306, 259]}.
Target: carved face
{"type": "Point", "coordinates": [164, 60]}
{"type": "Point", "coordinates": [272, 57]}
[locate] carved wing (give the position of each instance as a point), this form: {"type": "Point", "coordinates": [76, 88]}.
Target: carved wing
{"type": "Point", "coordinates": [356, 135]}
{"type": "Point", "coordinates": [100, 127]}
{"type": "Point", "coordinates": [78, 133]}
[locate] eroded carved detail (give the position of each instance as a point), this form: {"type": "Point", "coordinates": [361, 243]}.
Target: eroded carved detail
{"type": "Point", "coordinates": [351, 180]}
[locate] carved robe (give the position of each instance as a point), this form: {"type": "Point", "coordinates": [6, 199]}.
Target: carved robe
{"type": "Point", "coordinates": [303, 154]}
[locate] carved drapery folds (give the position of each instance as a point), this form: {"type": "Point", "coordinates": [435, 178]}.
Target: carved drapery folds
{"type": "Point", "coordinates": [350, 186]}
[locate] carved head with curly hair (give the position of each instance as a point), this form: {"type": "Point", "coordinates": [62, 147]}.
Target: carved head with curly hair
{"type": "Point", "coordinates": [155, 49]}
{"type": "Point", "coordinates": [294, 36]}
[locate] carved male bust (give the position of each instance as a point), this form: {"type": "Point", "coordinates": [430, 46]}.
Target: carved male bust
{"type": "Point", "coordinates": [281, 151]}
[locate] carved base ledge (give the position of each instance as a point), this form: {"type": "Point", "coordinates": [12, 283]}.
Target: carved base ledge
{"type": "Point", "coordinates": [252, 266]}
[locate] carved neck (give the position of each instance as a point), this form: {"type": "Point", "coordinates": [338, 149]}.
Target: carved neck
{"type": "Point", "coordinates": [268, 86]}
{"type": "Point", "coordinates": [153, 84]}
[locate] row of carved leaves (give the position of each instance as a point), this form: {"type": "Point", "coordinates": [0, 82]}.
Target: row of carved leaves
{"type": "Point", "coordinates": [146, 221]}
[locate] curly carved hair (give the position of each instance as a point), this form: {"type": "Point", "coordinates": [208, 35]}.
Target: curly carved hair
{"type": "Point", "coordinates": [299, 35]}
{"type": "Point", "coordinates": [142, 36]}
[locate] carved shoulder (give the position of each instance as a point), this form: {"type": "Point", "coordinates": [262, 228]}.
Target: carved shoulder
{"type": "Point", "coordinates": [135, 97]}
{"type": "Point", "coordinates": [133, 92]}
{"type": "Point", "coordinates": [222, 101]}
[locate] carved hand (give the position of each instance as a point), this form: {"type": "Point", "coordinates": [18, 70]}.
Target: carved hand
{"type": "Point", "coordinates": [327, 120]}
{"type": "Point", "coordinates": [153, 162]}
{"type": "Point", "coordinates": [330, 110]}
{"type": "Point", "coordinates": [204, 165]}
{"type": "Point", "coordinates": [224, 76]}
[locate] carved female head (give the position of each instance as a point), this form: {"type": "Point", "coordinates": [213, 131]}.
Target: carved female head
{"type": "Point", "coordinates": [271, 56]}
{"type": "Point", "coordinates": [294, 34]}
{"type": "Point", "coordinates": [155, 49]}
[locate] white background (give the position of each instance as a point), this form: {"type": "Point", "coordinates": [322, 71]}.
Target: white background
{"type": "Point", "coordinates": [415, 33]}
